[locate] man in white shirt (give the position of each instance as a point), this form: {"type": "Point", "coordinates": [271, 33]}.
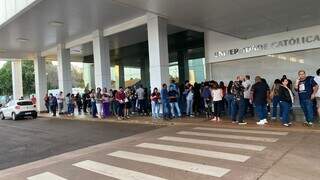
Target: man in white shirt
{"type": "Point", "coordinates": [247, 85]}
{"type": "Point", "coordinates": [60, 99]}
{"type": "Point", "coordinates": [317, 96]}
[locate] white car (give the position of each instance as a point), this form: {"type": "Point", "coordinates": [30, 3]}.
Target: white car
{"type": "Point", "coordinates": [17, 109]}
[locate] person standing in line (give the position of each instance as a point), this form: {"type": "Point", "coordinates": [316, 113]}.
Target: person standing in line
{"type": "Point", "coordinates": [238, 111]}
{"type": "Point", "coordinates": [165, 101]}
{"type": "Point", "coordinates": [93, 103]}
{"type": "Point", "coordinates": [105, 103]}
{"type": "Point", "coordinates": [79, 103]}
{"type": "Point", "coordinates": [86, 100]}
{"type": "Point", "coordinates": [224, 93]}
{"type": "Point", "coordinates": [46, 102]}
{"type": "Point", "coordinates": [247, 84]}
{"type": "Point", "coordinates": [189, 94]}
{"type": "Point", "coordinates": [120, 98]}
{"type": "Point", "coordinates": [155, 103]}
{"type": "Point", "coordinates": [317, 80]}
{"type": "Point", "coordinates": [217, 95]}
{"type": "Point", "coordinates": [274, 96]}
{"type": "Point", "coordinates": [206, 98]}
{"type": "Point", "coordinates": [141, 100]}
{"type": "Point", "coordinates": [127, 103]}
{"type": "Point", "coordinates": [53, 103]}
{"type": "Point", "coordinates": [33, 100]}
{"type": "Point", "coordinates": [70, 104]}
{"type": "Point", "coordinates": [307, 89]}
{"type": "Point", "coordinates": [99, 102]}
{"type": "Point", "coordinates": [286, 99]}
{"type": "Point", "coordinates": [260, 93]}
{"type": "Point", "coordinates": [61, 102]}
{"type": "Point", "coordinates": [173, 99]}
{"type": "Point", "coordinates": [229, 98]}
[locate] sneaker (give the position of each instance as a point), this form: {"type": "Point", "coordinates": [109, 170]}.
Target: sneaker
{"type": "Point", "coordinates": [290, 123]}
{"type": "Point", "coordinates": [310, 123]}
{"type": "Point", "coordinates": [273, 118]}
{"type": "Point", "coordinates": [286, 125]}
{"type": "Point", "coordinates": [233, 122]}
{"type": "Point", "coordinates": [192, 116]}
{"type": "Point", "coordinates": [242, 123]}
{"type": "Point", "coordinates": [214, 119]}
{"type": "Point", "coordinates": [261, 122]}
{"type": "Point", "coordinates": [119, 118]}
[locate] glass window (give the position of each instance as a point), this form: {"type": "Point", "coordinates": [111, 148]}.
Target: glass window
{"type": "Point", "coordinates": [132, 76]}
{"type": "Point", "coordinates": [196, 70]}
{"type": "Point", "coordinates": [174, 71]}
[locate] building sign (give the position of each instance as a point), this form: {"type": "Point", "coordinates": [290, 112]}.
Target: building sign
{"type": "Point", "coordinates": [268, 46]}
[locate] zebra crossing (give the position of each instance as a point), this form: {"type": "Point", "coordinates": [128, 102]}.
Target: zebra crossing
{"type": "Point", "coordinates": [180, 143]}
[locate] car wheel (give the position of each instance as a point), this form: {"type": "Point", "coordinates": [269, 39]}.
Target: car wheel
{"type": "Point", "coordinates": [14, 116]}
{"type": "Point", "coordinates": [2, 116]}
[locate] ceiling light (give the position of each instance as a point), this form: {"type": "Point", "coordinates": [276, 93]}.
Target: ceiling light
{"type": "Point", "coordinates": [56, 23]}
{"type": "Point", "coordinates": [22, 39]}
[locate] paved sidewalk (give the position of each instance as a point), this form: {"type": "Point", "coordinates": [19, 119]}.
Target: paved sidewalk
{"type": "Point", "coordinates": [225, 123]}
{"type": "Point", "coordinates": [185, 152]}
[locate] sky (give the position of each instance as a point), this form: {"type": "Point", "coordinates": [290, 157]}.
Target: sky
{"type": "Point", "coordinates": [2, 63]}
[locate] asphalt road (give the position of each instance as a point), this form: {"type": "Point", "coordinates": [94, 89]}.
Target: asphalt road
{"type": "Point", "coordinates": [26, 141]}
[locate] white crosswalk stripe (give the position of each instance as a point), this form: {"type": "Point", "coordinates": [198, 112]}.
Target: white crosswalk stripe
{"type": "Point", "coordinates": [46, 176]}
{"type": "Point", "coordinates": [198, 152]}
{"type": "Point", "coordinates": [242, 131]}
{"type": "Point", "coordinates": [114, 172]}
{"type": "Point", "coordinates": [213, 143]}
{"type": "Point", "coordinates": [227, 136]}
{"type": "Point", "coordinates": [172, 163]}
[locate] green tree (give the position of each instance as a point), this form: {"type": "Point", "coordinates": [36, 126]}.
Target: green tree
{"type": "Point", "coordinates": [28, 77]}
{"type": "Point", "coordinates": [6, 79]}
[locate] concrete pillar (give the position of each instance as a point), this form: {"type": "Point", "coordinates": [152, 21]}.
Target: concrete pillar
{"type": "Point", "coordinates": [64, 69]}
{"type": "Point", "coordinates": [158, 51]}
{"type": "Point", "coordinates": [207, 48]}
{"type": "Point", "coordinates": [183, 66]}
{"type": "Point", "coordinates": [17, 86]}
{"type": "Point", "coordinates": [101, 54]}
{"type": "Point", "coordinates": [40, 82]}
{"type": "Point", "coordinates": [88, 75]}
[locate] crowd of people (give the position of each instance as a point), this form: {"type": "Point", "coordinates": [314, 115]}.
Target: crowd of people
{"type": "Point", "coordinates": [238, 100]}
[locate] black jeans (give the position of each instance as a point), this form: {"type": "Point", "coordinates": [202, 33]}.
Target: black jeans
{"type": "Point", "coordinates": [249, 106]}
{"type": "Point", "coordinates": [217, 108]}
{"type": "Point", "coordinates": [54, 110]}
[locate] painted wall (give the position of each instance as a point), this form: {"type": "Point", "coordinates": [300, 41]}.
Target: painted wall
{"type": "Point", "coordinates": [220, 47]}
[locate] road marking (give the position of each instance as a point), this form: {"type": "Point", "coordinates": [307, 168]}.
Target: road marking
{"type": "Point", "coordinates": [213, 143]}
{"type": "Point", "coordinates": [197, 152]}
{"type": "Point", "coordinates": [172, 163]}
{"type": "Point", "coordinates": [227, 136]}
{"type": "Point", "coordinates": [46, 176]}
{"type": "Point", "coordinates": [115, 172]}
{"type": "Point", "coordinates": [242, 131]}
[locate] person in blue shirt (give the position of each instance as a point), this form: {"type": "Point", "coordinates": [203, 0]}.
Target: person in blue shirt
{"type": "Point", "coordinates": [306, 88]}
{"type": "Point", "coordinates": [165, 101]}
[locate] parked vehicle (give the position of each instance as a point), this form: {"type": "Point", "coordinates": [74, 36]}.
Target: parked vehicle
{"type": "Point", "coordinates": [18, 109]}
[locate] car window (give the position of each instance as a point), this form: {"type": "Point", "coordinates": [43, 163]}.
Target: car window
{"type": "Point", "coordinates": [25, 103]}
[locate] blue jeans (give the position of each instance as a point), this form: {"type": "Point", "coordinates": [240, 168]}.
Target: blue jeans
{"type": "Point", "coordinates": [229, 99]}
{"type": "Point", "coordinates": [94, 108]}
{"type": "Point", "coordinates": [175, 105]}
{"type": "Point", "coordinates": [275, 102]}
{"type": "Point", "coordinates": [286, 108]}
{"type": "Point", "coordinates": [70, 108]}
{"type": "Point", "coordinates": [307, 108]}
{"type": "Point", "coordinates": [238, 109]}
{"type": "Point", "coordinates": [261, 110]}
{"type": "Point", "coordinates": [155, 109]}
{"type": "Point", "coordinates": [189, 107]}
{"type": "Point", "coordinates": [165, 109]}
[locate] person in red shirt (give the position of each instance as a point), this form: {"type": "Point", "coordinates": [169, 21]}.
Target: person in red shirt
{"type": "Point", "coordinates": [34, 100]}
{"type": "Point", "coordinates": [120, 99]}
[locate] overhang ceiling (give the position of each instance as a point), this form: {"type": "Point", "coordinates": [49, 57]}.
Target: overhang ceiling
{"type": "Point", "coordinates": [239, 18]}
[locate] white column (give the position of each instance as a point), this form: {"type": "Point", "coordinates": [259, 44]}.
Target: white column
{"type": "Point", "coordinates": [64, 69]}
{"type": "Point", "coordinates": [40, 82]}
{"type": "Point", "coordinates": [207, 48]}
{"type": "Point", "coordinates": [158, 51]}
{"type": "Point", "coordinates": [17, 86]}
{"type": "Point", "coordinates": [101, 54]}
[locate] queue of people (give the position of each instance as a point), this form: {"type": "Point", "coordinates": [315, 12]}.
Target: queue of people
{"type": "Point", "coordinates": [238, 100]}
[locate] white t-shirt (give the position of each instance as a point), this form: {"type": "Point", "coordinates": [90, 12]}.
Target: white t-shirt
{"type": "Point", "coordinates": [247, 90]}
{"type": "Point", "coordinates": [216, 94]}
{"type": "Point", "coordinates": [317, 80]}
